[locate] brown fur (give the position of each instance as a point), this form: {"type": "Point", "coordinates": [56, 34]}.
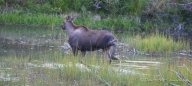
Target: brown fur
{"type": "Point", "coordinates": [77, 26]}
{"type": "Point", "coordinates": [83, 39]}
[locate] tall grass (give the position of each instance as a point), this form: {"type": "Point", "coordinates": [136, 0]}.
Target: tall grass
{"type": "Point", "coordinates": [156, 43]}
{"type": "Point", "coordinates": [100, 74]}
{"type": "Point", "coordinates": [41, 66]}
{"type": "Point", "coordinates": [56, 20]}
{"type": "Point", "coordinates": [30, 19]}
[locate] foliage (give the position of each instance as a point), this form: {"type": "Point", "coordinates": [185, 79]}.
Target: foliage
{"type": "Point", "coordinates": [133, 7]}
{"type": "Point", "coordinates": [144, 14]}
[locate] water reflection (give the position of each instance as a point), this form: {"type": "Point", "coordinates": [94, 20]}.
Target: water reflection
{"type": "Point", "coordinates": [24, 39]}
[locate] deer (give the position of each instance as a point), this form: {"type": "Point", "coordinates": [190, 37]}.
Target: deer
{"type": "Point", "coordinates": [84, 39]}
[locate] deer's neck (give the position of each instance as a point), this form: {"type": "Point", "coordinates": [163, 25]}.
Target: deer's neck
{"type": "Point", "coordinates": [70, 28]}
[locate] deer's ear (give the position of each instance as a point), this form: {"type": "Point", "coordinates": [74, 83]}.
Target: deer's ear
{"type": "Point", "coordinates": [68, 18]}
{"type": "Point", "coordinates": [73, 18]}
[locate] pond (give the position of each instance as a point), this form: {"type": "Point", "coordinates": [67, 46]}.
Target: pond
{"type": "Point", "coordinates": [27, 52]}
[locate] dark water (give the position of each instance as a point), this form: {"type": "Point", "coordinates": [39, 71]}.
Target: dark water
{"type": "Point", "coordinates": [23, 41]}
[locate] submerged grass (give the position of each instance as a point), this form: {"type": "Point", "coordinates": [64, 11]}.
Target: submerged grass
{"type": "Point", "coordinates": [157, 43]}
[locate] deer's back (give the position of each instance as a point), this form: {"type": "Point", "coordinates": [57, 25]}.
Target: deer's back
{"type": "Point", "coordinates": [88, 40]}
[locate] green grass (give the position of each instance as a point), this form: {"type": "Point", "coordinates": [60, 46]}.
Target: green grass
{"type": "Point", "coordinates": [55, 6]}
{"type": "Point", "coordinates": [158, 43]}
{"type": "Point", "coordinates": [70, 74]}
{"type": "Point", "coordinates": [56, 20]}
{"type": "Point", "coordinates": [142, 14]}
{"type": "Point", "coordinates": [34, 68]}
{"type": "Point", "coordinates": [30, 19]}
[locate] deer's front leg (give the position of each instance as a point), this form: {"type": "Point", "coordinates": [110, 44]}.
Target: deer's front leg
{"type": "Point", "coordinates": [83, 53]}
{"type": "Point", "coordinates": [75, 51]}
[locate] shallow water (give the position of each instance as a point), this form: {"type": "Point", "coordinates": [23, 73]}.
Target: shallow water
{"type": "Point", "coordinates": [41, 42]}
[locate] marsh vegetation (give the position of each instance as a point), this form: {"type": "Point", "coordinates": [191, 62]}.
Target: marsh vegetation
{"type": "Point", "coordinates": [33, 56]}
{"type": "Point", "coordinates": [154, 43]}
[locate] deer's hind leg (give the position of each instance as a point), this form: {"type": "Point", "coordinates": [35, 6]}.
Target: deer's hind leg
{"type": "Point", "coordinates": [114, 44]}
{"type": "Point", "coordinates": [107, 54]}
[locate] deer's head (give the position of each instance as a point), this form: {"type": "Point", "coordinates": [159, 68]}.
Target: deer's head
{"type": "Point", "coordinates": [68, 20]}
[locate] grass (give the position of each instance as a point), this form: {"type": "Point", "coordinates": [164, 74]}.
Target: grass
{"type": "Point", "coordinates": [156, 43]}
{"type": "Point", "coordinates": [54, 6]}
{"type": "Point", "coordinates": [43, 66]}
{"type": "Point", "coordinates": [104, 74]}
{"type": "Point", "coordinates": [31, 19]}
{"type": "Point", "coordinates": [142, 14]}
{"type": "Point", "coordinates": [17, 68]}
{"type": "Point", "coordinates": [56, 20]}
